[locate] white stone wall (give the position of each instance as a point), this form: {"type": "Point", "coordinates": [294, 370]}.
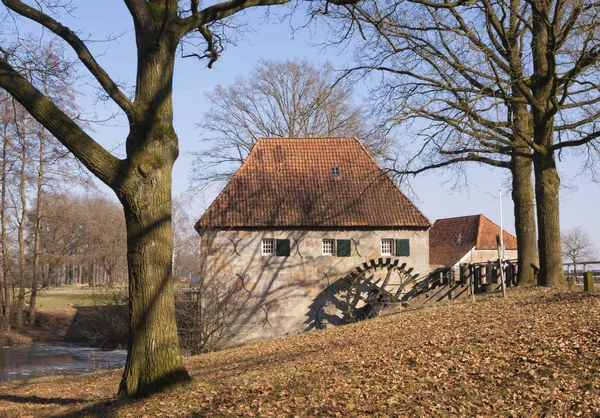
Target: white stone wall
{"type": "Point", "coordinates": [281, 290]}
{"type": "Point", "coordinates": [482, 256]}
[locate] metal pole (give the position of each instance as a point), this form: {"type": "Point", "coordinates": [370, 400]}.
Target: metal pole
{"type": "Point", "coordinates": [459, 240]}
{"type": "Point", "coordinates": [501, 250]}
{"type": "Point", "coordinates": [501, 228]}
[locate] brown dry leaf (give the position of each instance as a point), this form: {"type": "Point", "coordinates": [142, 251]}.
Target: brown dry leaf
{"type": "Point", "coordinates": [535, 354]}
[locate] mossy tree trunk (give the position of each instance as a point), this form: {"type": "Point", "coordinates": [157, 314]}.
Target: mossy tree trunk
{"type": "Point", "coordinates": [154, 359]}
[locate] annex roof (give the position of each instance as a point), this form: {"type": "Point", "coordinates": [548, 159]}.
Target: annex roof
{"type": "Point", "coordinates": [476, 231]}
{"type": "Point", "coordinates": [311, 182]}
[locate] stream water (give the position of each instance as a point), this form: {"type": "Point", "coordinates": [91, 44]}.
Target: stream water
{"type": "Point", "coordinates": [49, 360]}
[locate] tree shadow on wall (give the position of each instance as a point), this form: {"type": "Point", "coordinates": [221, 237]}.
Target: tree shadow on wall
{"type": "Point", "coordinates": [329, 308]}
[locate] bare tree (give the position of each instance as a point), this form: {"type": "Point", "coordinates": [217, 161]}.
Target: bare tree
{"type": "Point", "coordinates": [112, 239]}
{"type": "Point", "coordinates": [281, 99]}
{"type": "Point", "coordinates": [48, 70]}
{"type": "Point", "coordinates": [6, 161]}
{"type": "Point", "coordinates": [501, 82]}
{"type": "Point", "coordinates": [186, 243]}
{"type": "Point", "coordinates": [41, 64]}
{"type": "Point", "coordinates": [22, 123]}
{"type": "Point", "coordinates": [220, 303]}
{"type": "Point", "coordinates": [142, 180]}
{"type": "Point", "coordinates": [84, 234]}
{"type": "Point", "coordinates": [577, 245]}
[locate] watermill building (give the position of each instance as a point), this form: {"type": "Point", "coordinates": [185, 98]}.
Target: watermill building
{"type": "Point", "coordinates": [298, 216]}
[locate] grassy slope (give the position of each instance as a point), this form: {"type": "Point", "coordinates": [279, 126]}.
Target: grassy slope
{"type": "Point", "coordinates": [64, 297]}
{"type": "Point", "coordinates": [56, 308]}
{"type": "Point", "coordinates": [537, 353]}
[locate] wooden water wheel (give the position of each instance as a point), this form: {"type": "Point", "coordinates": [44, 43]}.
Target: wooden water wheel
{"type": "Point", "coordinates": [376, 284]}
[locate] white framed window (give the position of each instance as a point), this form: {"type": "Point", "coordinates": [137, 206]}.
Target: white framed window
{"type": "Point", "coordinates": [268, 246]}
{"type": "Point", "coordinates": [387, 246]}
{"type": "Point", "coordinates": [335, 171]}
{"type": "Point", "coordinates": [328, 247]}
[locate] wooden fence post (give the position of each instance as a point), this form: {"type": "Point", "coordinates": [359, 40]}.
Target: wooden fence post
{"type": "Point", "coordinates": [588, 282]}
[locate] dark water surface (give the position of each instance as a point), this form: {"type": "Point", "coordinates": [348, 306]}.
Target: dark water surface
{"type": "Point", "coordinates": [50, 360]}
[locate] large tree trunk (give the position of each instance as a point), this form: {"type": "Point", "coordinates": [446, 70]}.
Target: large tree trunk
{"type": "Point", "coordinates": [523, 198]}
{"type": "Point", "coordinates": [522, 192]}
{"type": "Point", "coordinates": [521, 162]}
{"type": "Point", "coordinates": [153, 358]}
{"type": "Point", "coordinates": [544, 107]}
{"type": "Point", "coordinates": [547, 184]}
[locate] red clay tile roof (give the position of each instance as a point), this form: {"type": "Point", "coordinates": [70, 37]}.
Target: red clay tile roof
{"type": "Point", "coordinates": [288, 182]}
{"type": "Point", "coordinates": [475, 230]}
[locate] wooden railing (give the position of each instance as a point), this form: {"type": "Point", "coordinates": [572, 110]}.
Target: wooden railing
{"type": "Point", "coordinates": [577, 270]}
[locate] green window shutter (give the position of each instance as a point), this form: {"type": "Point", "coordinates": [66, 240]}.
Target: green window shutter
{"type": "Point", "coordinates": [403, 247]}
{"type": "Point", "coordinates": [282, 247]}
{"type": "Point", "coordinates": [343, 248]}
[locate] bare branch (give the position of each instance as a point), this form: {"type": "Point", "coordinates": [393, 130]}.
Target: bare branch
{"type": "Point", "coordinates": [99, 161]}
{"type": "Point", "coordinates": [469, 157]}
{"type": "Point", "coordinates": [220, 11]}
{"type": "Point", "coordinates": [78, 46]}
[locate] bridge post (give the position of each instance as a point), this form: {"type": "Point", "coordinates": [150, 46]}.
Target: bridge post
{"type": "Point", "coordinates": [588, 282]}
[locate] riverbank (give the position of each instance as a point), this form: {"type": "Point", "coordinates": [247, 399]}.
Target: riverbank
{"type": "Point", "coordinates": [50, 328]}
{"type": "Point", "coordinates": [535, 354]}
{"type": "Point", "coordinates": [70, 314]}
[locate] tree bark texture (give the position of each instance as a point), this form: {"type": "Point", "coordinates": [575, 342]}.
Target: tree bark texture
{"type": "Point", "coordinates": [523, 191]}
{"type": "Point", "coordinates": [547, 185]}
{"type": "Point", "coordinates": [153, 359]}
{"type": "Point", "coordinates": [524, 207]}
{"type": "Point", "coordinates": [547, 182]}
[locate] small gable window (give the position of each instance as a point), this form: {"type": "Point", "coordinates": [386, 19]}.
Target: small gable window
{"type": "Point", "coordinates": [336, 171]}
{"type": "Point", "coordinates": [343, 248]}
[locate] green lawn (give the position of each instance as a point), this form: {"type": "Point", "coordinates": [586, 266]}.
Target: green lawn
{"type": "Point", "coordinates": [65, 297]}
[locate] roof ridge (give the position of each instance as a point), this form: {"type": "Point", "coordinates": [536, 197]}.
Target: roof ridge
{"type": "Point", "coordinates": [458, 217]}
{"type": "Point", "coordinates": [308, 137]}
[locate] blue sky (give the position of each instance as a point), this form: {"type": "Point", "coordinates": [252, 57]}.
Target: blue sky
{"type": "Point", "coordinates": [272, 40]}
